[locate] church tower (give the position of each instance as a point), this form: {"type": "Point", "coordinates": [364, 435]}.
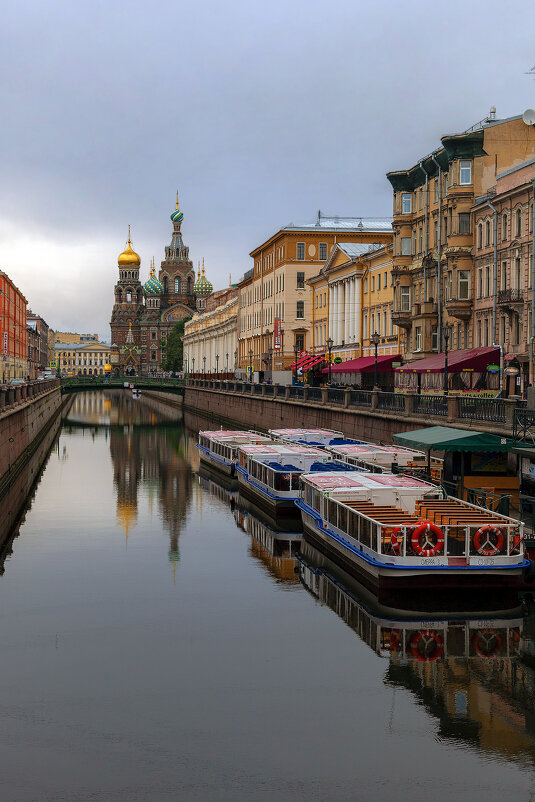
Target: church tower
{"type": "Point", "coordinates": [176, 271]}
{"type": "Point", "coordinates": [128, 298]}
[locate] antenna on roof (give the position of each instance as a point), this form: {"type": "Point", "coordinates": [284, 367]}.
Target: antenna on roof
{"type": "Point", "coordinates": [529, 117]}
{"type": "Point", "coordinates": [492, 113]}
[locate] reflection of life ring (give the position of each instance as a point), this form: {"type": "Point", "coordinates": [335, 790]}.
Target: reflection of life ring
{"type": "Point", "coordinates": [515, 635]}
{"type": "Point", "coordinates": [393, 644]}
{"type": "Point", "coordinates": [485, 546]}
{"type": "Point", "coordinates": [487, 643]}
{"type": "Point", "coordinates": [428, 548]}
{"type": "Point", "coordinates": [426, 645]}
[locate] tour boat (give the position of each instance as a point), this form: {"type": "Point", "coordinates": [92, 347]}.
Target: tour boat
{"type": "Point", "coordinates": [386, 459]}
{"type": "Point", "coordinates": [316, 438]}
{"type": "Point", "coordinates": [398, 532]}
{"type": "Point", "coordinates": [219, 448]}
{"type": "Point", "coordinates": [269, 473]}
{"type": "Point", "coordinates": [405, 636]}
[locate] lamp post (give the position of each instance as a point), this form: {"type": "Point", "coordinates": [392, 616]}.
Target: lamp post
{"type": "Point", "coordinates": [251, 365]}
{"type": "Point", "coordinates": [330, 343]}
{"type": "Point", "coordinates": [270, 357]}
{"type": "Point", "coordinates": [193, 362]}
{"type": "Point", "coordinates": [204, 366]}
{"type": "Point", "coordinates": [446, 342]}
{"type": "Point", "coordinates": [296, 351]}
{"type": "Point", "coordinates": [227, 365]}
{"type": "Point", "coordinates": [235, 360]}
{"type": "Point", "coordinates": [375, 340]}
{"type": "Point", "coordinates": [217, 364]}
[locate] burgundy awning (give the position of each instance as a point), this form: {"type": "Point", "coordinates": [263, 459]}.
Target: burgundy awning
{"type": "Point", "coordinates": [365, 364]}
{"type": "Point", "coordinates": [475, 359]}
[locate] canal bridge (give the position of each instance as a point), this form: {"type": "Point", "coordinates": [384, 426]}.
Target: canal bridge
{"type": "Point", "coordinates": [77, 384]}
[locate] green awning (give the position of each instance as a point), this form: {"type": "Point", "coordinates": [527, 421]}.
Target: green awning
{"type": "Point", "coordinates": [442, 438]}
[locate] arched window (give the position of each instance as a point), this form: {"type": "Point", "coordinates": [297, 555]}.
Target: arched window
{"type": "Point", "coordinates": [487, 233]}
{"type": "Point", "coordinates": [119, 295]}
{"type": "Point", "coordinates": [519, 222]}
{"type": "Point", "coordinates": [480, 235]}
{"type": "Point", "coordinates": [189, 285]}
{"type": "Point", "coordinates": [129, 296]}
{"type": "Point", "coordinates": [177, 285]}
{"type": "Point", "coordinates": [504, 227]}
{"type": "Point", "coordinates": [165, 284]}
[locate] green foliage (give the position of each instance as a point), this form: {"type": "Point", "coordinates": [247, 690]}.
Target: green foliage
{"type": "Point", "coordinates": [175, 347]}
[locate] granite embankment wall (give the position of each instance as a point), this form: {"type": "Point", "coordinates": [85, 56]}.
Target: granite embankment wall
{"type": "Point", "coordinates": [261, 412]}
{"type": "Point", "coordinates": [26, 413]}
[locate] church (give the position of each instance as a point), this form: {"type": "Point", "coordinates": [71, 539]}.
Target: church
{"type": "Point", "coordinates": [143, 315]}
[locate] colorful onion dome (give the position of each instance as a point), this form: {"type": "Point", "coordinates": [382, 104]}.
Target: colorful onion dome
{"type": "Point", "coordinates": [202, 286]}
{"type": "Point", "coordinates": [177, 216]}
{"type": "Point", "coordinates": [129, 257]}
{"type": "Point", "coordinates": [153, 286]}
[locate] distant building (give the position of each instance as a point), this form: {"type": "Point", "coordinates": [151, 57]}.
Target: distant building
{"type": "Point", "coordinates": [70, 337]}
{"type": "Point", "coordinates": [275, 298]}
{"type": "Point", "coordinates": [210, 337]}
{"type": "Point", "coordinates": [37, 344]}
{"type": "Point", "coordinates": [14, 342]}
{"type": "Point", "coordinates": [83, 359]}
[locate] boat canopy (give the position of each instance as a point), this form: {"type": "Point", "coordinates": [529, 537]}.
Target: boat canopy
{"type": "Point", "coordinates": [476, 359]}
{"type": "Point", "coordinates": [364, 364]}
{"type": "Point", "coordinates": [444, 438]}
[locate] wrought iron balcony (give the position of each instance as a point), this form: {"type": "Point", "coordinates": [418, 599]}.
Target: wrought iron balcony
{"type": "Point", "coordinates": [511, 299]}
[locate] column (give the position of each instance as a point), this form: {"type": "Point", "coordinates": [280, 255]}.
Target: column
{"type": "Point", "coordinates": [352, 309]}
{"type": "Point", "coordinates": [331, 307]}
{"type": "Point", "coordinates": [340, 313]}
{"type": "Point", "coordinates": [358, 308]}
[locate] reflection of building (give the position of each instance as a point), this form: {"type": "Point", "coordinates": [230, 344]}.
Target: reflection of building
{"type": "Point", "coordinates": [143, 315]}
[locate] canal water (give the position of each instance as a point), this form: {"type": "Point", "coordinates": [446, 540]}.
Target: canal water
{"type": "Point", "coordinates": [159, 641]}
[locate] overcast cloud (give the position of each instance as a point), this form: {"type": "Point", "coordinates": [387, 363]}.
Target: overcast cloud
{"type": "Point", "coordinates": [260, 114]}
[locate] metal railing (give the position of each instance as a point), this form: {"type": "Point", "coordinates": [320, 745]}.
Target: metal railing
{"type": "Point", "coordinates": [297, 392]}
{"type": "Point", "coordinates": [391, 401]}
{"type": "Point", "coordinates": [489, 409]}
{"type": "Point", "coordinates": [431, 405]}
{"type": "Point", "coordinates": [360, 398]}
{"type": "Point", "coordinates": [315, 394]}
{"type": "Point", "coordinates": [511, 296]}
{"type": "Point", "coordinates": [335, 396]}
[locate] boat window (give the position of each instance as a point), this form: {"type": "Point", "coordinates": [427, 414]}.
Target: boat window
{"type": "Point", "coordinates": [353, 524]}
{"type": "Point", "coordinates": [295, 481]}
{"type": "Point", "coordinates": [365, 532]}
{"type": "Point", "coordinates": [333, 517]}
{"type": "Point", "coordinates": [342, 518]}
{"type": "Point", "coordinates": [309, 494]}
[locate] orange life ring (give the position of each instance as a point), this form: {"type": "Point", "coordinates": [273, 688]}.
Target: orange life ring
{"type": "Point", "coordinates": [427, 549]}
{"type": "Point", "coordinates": [518, 540]}
{"type": "Point", "coordinates": [396, 541]}
{"type": "Point", "coordinates": [487, 548]}
{"type": "Point", "coordinates": [425, 637]}
{"type": "Point", "coordinates": [486, 636]}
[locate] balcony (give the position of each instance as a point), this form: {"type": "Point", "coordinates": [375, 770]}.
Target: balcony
{"type": "Point", "coordinates": [511, 300]}
{"type": "Point", "coordinates": [461, 308]}
{"type": "Point", "coordinates": [402, 319]}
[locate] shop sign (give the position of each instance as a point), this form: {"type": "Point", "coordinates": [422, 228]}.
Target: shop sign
{"type": "Point", "coordinates": [277, 334]}
{"type": "Point", "coordinates": [508, 357]}
{"type": "Point", "coordinates": [249, 368]}
{"type": "Point", "coordinates": [337, 360]}
{"type": "Point", "coordinates": [511, 371]}
{"type": "Point", "coordinates": [493, 368]}
{"type": "Point", "coordinates": [5, 343]}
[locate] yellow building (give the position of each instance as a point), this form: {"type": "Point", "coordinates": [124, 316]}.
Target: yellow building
{"type": "Point", "coordinates": [433, 232]}
{"type": "Point", "coordinates": [210, 337]}
{"type": "Point", "coordinates": [352, 297]}
{"type": "Point", "coordinates": [276, 293]}
{"type": "Point", "coordinates": [82, 359]}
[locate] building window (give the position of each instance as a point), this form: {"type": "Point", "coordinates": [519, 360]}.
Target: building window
{"type": "Point", "coordinates": [153, 335]}
{"type": "Point", "coordinates": [434, 339]}
{"type": "Point", "coordinates": [405, 299]}
{"type": "Point", "coordinates": [378, 281]}
{"type": "Point", "coordinates": [373, 284]}
{"type": "Point", "coordinates": [153, 355]}
{"type": "Point", "coordinates": [464, 284]}
{"type": "Point", "coordinates": [300, 342]}
{"type": "Point", "coordinates": [301, 251]}
{"type": "Point", "coordinates": [165, 284]}
{"type": "Point", "coordinates": [300, 281]}
{"type": "Point", "coordinates": [177, 285]}
{"type": "Point", "coordinates": [504, 227]}
{"type": "Point", "coordinates": [480, 283]}
{"type": "Point", "coordinates": [406, 203]}
{"type": "Point", "coordinates": [487, 282]}
{"type": "Point", "coordinates": [300, 309]}
{"type": "Point", "coordinates": [519, 222]}
{"type": "Point", "coordinates": [418, 338]}
{"type": "Point", "coordinates": [464, 223]}
{"type": "Point", "coordinates": [435, 190]}
{"type": "Point", "coordinates": [487, 233]}
{"type": "Point", "coordinates": [465, 172]}
{"type": "Point", "coordinates": [503, 277]}
{"type": "Point", "coordinates": [323, 251]}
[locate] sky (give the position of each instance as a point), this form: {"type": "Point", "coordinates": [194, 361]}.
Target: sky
{"type": "Point", "coordinates": [259, 114]}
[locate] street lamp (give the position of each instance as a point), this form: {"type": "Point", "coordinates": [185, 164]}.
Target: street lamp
{"type": "Point", "coordinates": [193, 362]}
{"type": "Point", "coordinates": [204, 366]}
{"type": "Point", "coordinates": [375, 340]}
{"type": "Point", "coordinates": [251, 365]}
{"type": "Point", "coordinates": [217, 364]}
{"type": "Point", "coordinates": [235, 360]}
{"type": "Point", "coordinates": [227, 364]}
{"type": "Point", "coordinates": [446, 342]}
{"type": "Point", "coordinates": [330, 343]}
{"type": "Point", "coordinates": [296, 351]}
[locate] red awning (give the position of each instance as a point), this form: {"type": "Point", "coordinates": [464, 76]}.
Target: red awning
{"type": "Point", "coordinates": [475, 359]}
{"type": "Point", "coordinates": [307, 362]}
{"type": "Point", "coordinates": [365, 364]}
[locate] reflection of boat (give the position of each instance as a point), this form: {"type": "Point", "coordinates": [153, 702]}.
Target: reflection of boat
{"type": "Point", "coordinates": [217, 484]}
{"type": "Point", "coordinates": [276, 549]}
{"type": "Point", "coordinates": [270, 473]}
{"type": "Point", "coordinates": [219, 448]}
{"type": "Point", "coordinates": [410, 634]}
{"type": "Point", "coordinates": [397, 532]}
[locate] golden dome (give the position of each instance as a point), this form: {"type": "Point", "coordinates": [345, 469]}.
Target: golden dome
{"type": "Point", "coordinates": [129, 256]}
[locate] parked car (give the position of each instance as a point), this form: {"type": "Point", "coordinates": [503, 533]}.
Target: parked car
{"type": "Point", "coordinates": [18, 381]}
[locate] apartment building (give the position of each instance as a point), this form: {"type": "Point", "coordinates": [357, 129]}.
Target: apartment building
{"type": "Point", "coordinates": [14, 333]}
{"type": "Point", "coordinates": [210, 337]}
{"type": "Point", "coordinates": [433, 230]}
{"type": "Point", "coordinates": [503, 270]}
{"type": "Point", "coordinates": [352, 298]}
{"type": "Point", "coordinates": [275, 316]}
{"type": "Point", "coordinates": [37, 344]}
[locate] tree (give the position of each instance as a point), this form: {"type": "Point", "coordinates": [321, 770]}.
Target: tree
{"type": "Point", "coordinates": [175, 347]}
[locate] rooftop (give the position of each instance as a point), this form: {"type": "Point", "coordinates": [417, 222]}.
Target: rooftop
{"type": "Point", "coordinates": [352, 224]}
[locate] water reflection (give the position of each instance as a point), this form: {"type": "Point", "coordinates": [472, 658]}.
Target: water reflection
{"type": "Point", "coordinates": [117, 407]}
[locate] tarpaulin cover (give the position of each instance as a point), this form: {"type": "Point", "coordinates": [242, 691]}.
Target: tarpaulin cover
{"type": "Point", "coordinates": [475, 359]}
{"type": "Point", "coordinates": [364, 364]}
{"type": "Point", "coordinates": [442, 438]}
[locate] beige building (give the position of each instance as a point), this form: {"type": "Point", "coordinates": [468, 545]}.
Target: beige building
{"type": "Point", "coordinates": [275, 316]}
{"type": "Point", "coordinates": [82, 359]}
{"type": "Point", "coordinates": [210, 337]}
{"type": "Point", "coordinates": [71, 337]}
{"type": "Point", "coordinates": [433, 231]}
